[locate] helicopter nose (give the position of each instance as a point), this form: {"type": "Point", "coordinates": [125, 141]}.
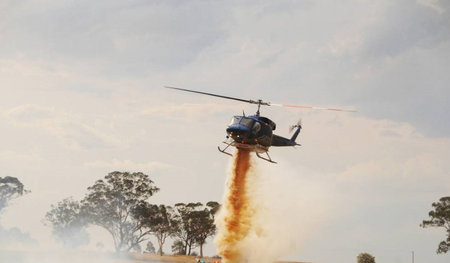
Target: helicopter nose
{"type": "Point", "coordinates": [238, 131]}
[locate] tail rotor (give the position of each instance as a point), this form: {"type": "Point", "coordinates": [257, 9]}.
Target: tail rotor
{"type": "Point", "coordinates": [292, 127]}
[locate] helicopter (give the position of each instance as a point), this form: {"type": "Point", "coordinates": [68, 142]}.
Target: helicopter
{"type": "Point", "coordinates": [255, 133]}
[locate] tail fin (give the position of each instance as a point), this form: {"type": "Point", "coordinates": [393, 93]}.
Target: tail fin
{"type": "Point", "coordinates": [297, 131]}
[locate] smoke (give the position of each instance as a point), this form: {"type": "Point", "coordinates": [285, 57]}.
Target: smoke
{"type": "Point", "coordinates": [40, 255]}
{"type": "Point", "coordinates": [14, 236]}
{"type": "Point", "coordinates": [268, 211]}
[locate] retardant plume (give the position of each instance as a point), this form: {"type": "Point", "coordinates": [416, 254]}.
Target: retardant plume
{"type": "Point", "coordinates": [268, 211]}
{"type": "Point", "coordinates": [235, 220]}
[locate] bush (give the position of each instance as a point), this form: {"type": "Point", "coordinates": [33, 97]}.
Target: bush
{"type": "Point", "coordinates": [150, 248]}
{"type": "Point", "coordinates": [366, 258]}
{"type": "Point", "coordinates": [178, 248]}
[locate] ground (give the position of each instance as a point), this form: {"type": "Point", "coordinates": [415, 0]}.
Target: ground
{"type": "Point", "coordinates": [73, 256]}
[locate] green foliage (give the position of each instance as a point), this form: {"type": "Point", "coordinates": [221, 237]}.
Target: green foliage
{"type": "Point", "coordinates": [184, 228]}
{"type": "Point", "coordinates": [203, 223]}
{"type": "Point", "coordinates": [111, 204]}
{"type": "Point", "coordinates": [119, 204]}
{"type": "Point", "coordinates": [178, 248]}
{"type": "Point", "coordinates": [10, 188]}
{"type": "Point", "coordinates": [366, 258]}
{"type": "Point", "coordinates": [195, 223]}
{"type": "Point", "coordinates": [159, 219]}
{"type": "Point", "coordinates": [67, 223]}
{"type": "Point", "coordinates": [440, 217]}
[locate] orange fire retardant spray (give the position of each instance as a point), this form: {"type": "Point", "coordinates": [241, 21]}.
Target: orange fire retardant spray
{"type": "Point", "coordinates": [235, 222]}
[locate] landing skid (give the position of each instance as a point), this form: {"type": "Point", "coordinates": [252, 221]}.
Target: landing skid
{"type": "Point", "coordinates": [266, 159]}
{"type": "Point", "coordinates": [224, 150]}
{"type": "Point", "coordinates": [257, 154]}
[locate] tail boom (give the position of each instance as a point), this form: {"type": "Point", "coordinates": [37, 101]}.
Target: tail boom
{"type": "Point", "coordinates": [281, 141]}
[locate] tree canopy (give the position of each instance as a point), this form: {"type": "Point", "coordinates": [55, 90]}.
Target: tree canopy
{"type": "Point", "coordinates": [67, 223]}
{"type": "Point", "coordinates": [195, 223]}
{"type": "Point", "coordinates": [10, 188]}
{"type": "Point", "coordinates": [440, 217]}
{"type": "Point", "coordinates": [365, 258]}
{"type": "Point", "coordinates": [160, 220]}
{"type": "Point", "coordinates": [111, 204]}
{"type": "Point", "coordinates": [119, 203]}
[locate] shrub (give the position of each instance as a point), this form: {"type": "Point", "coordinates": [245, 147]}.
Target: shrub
{"type": "Point", "coordinates": [366, 258]}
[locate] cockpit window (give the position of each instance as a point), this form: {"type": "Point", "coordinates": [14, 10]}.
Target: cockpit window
{"type": "Point", "coordinates": [256, 127]}
{"type": "Point", "coordinates": [242, 120]}
{"type": "Point", "coordinates": [235, 120]}
{"type": "Point", "coordinates": [247, 122]}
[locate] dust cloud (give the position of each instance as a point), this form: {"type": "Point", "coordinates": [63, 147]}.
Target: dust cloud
{"type": "Point", "coordinates": [39, 255]}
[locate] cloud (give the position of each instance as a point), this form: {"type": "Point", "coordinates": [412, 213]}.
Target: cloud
{"type": "Point", "coordinates": [128, 165]}
{"type": "Point", "coordinates": [384, 58]}
{"type": "Point", "coordinates": [69, 128]}
{"type": "Point", "coordinates": [436, 5]}
{"type": "Point", "coordinates": [132, 38]}
{"type": "Point", "coordinates": [186, 111]}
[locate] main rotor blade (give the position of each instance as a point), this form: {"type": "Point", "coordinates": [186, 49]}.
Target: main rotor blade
{"type": "Point", "coordinates": [215, 95]}
{"type": "Point", "coordinates": [260, 102]}
{"type": "Point", "coordinates": [310, 107]}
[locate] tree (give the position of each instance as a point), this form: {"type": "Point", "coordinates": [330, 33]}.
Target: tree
{"type": "Point", "coordinates": [159, 219]}
{"type": "Point", "coordinates": [195, 223]}
{"type": "Point", "coordinates": [366, 258]}
{"type": "Point", "coordinates": [203, 223]}
{"type": "Point", "coordinates": [112, 203]}
{"type": "Point", "coordinates": [10, 188]}
{"type": "Point", "coordinates": [163, 225]}
{"type": "Point", "coordinates": [150, 248]}
{"type": "Point", "coordinates": [178, 247]}
{"type": "Point", "coordinates": [68, 225]}
{"type": "Point", "coordinates": [440, 217]}
{"type": "Point", "coordinates": [185, 231]}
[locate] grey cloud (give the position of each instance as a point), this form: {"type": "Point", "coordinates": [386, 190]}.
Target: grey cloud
{"type": "Point", "coordinates": [71, 131]}
{"type": "Point", "coordinates": [391, 63]}
{"type": "Point", "coordinates": [127, 38]}
{"type": "Point", "coordinates": [388, 59]}
{"type": "Point", "coordinates": [406, 25]}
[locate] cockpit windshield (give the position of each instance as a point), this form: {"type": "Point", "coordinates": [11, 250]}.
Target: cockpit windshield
{"type": "Point", "coordinates": [235, 120]}
{"type": "Point", "coordinates": [247, 122]}
{"type": "Point", "coordinates": [242, 120]}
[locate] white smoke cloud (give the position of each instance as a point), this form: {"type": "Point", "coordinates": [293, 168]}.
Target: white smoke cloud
{"type": "Point", "coordinates": [285, 208]}
{"type": "Point", "coordinates": [57, 256]}
{"type": "Point", "coordinates": [289, 207]}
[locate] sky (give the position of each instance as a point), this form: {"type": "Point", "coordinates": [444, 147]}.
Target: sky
{"type": "Point", "coordinates": [81, 86]}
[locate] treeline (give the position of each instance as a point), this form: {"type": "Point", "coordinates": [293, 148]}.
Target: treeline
{"type": "Point", "coordinates": [119, 203]}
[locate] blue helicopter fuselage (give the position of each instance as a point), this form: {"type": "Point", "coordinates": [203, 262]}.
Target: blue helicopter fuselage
{"type": "Point", "coordinates": [251, 130]}
{"type": "Point", "coordinates": [255, 133]}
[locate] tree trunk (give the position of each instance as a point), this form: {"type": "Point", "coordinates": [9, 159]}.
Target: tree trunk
{"type": "Point", "coordinates": [201, 250]}
{"type": "Point", "coordinates": [160, 243]}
